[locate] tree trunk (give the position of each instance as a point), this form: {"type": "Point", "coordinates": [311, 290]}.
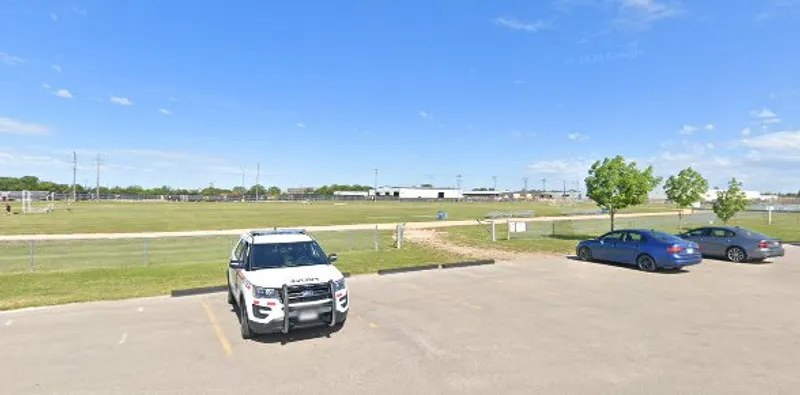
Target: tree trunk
{"type": "Point", "coordinates": [680, 221]}
{"type": "Point", "coordinates": [612, 212]}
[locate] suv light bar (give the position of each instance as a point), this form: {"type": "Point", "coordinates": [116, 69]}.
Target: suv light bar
{"type": "Point", "coordinates": [265, 232]}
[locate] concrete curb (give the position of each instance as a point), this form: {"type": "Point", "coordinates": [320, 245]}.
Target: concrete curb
{"type": "Point", "coordinates": [198, 291]}
{"type": "Point", "coordinates": [407, 269]}
{"type": "Point", "coordinates": [468, 264]}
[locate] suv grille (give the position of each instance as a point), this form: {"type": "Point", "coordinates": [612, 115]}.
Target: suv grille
{"type": "Point", "coordinates": [308, 293]}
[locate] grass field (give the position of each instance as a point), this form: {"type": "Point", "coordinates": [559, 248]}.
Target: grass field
{"type": "Point", "coordinates": [91, 217]}
{"type": "Point", "coordinates": [562, 236]}
{"type": "Point", "coordinates": [83, 273]}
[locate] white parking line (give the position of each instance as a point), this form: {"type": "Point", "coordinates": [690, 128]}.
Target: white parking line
{"type": "Point", "coordinates": [140, 309]}
{"type": "Point", "coordinates": [124, 337]}
{"type": "Point", "coordinates": [9, 322]}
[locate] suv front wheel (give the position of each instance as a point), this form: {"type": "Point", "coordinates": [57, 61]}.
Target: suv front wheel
{"type": "Point", "coordinates": [244, 321]}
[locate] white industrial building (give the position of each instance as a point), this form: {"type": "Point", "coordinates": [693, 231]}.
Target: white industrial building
{"type": "Point", "coordinates": [418, 193]}
{"type": "Point", "coordinates": [711, 195]}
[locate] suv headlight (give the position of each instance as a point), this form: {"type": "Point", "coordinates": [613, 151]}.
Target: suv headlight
{"type": "Point", "coordinates": [265, 293]}
{"type": "Point", "coordinates": [339, 284]}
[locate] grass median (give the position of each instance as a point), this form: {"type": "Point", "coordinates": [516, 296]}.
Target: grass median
{"type": "Point", "coordinates": [560, 237]}
{"type": "Point", "coordinates": [101, 276]}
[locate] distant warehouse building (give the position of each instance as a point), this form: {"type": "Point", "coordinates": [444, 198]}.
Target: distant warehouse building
{"type": "Point", "coordinates": [425, 193]}
{"type": "Point", "coordinates": [711, 195]}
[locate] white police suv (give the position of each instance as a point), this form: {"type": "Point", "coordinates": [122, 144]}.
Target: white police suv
{"type": "Point", "coordinates": [282, 279]}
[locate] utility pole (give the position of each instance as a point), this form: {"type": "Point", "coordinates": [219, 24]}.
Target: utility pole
{"type": "Point", "coordinates": [565, 188]}
{"type": "Point", "coordinates": [525, 188]}
{"type": "Point", "coordinates": [243, 190]}
{"type": "Point", "coordinates": [376, 185]}
{"type": "Point", "coordinates": [458, 182]}
{"type": "Point", "coordinates": [74, 176]}
{"type": "Point", "coordinates": [544, 185]}
{"type": "Point", "coordinates": [258, 173]}
{"type": "Point", "coordinates": [97, 185]}
{"type": "Point", "coordinates": [494, 180]}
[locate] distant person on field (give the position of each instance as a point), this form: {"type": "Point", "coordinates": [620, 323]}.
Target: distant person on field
{"type": "Point", "coordinates": [8, 209]}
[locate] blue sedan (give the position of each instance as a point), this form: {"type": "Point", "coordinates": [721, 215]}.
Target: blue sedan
{"type": "Point", "coordinates": [649, 250]}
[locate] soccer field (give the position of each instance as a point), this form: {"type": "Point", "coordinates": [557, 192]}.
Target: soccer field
{"type": "Point", "coordinates": [102, 217]}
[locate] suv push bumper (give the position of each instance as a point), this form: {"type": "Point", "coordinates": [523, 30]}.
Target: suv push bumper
{"type": "Point", "coordinates": [295, 316]}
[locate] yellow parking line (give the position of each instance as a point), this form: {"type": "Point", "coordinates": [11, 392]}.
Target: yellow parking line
{"type": "Point", "coordinates": [226, 345]}
{"type": "Point", "coordinates": [472, 306]}
{"type": "Point", "coordinates": [372, 325]}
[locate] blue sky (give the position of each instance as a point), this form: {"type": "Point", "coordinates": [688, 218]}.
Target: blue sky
{"type": "Point", "coordinates": [187, 93]}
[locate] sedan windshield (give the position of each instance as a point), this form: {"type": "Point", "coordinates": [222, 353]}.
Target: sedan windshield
{"type": "Point", "coordinates": [277, 255]}
{"type": "Point", "coordinates": [666, 237]}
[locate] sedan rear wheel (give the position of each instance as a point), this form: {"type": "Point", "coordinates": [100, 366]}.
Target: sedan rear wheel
{"type": "Point", "coordinates": [736, 254]}
{"type": "Point", "coordinates": [646, 263]}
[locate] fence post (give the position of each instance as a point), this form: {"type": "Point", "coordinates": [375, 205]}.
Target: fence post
{"type": "Point", "coordinates": [145, 252]}
{"type": "Point", "coordinates": [31, 264]}
{"type": "Point", "coordinates": [376, 239]}
{"type": "Point", "coordinates": [553, 232]}
{"type": "Point", "coordinates": [494, 233]}
{"type": "Point", "coordinates": [769, 215]}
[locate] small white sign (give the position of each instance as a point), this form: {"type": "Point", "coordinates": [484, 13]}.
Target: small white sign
{"type": "Point", "coordinates": [516, 227]}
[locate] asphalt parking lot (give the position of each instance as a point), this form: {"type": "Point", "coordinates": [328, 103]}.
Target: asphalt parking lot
{"type": "Point", "coordinates": [552, 325]}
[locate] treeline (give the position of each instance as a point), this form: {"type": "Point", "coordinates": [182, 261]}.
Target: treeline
{"type": "Point", "coordinates": [32, 183]}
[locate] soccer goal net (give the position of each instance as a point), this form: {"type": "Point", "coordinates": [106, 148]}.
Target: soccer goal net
{"type": "Point", "coordinates": [35, 202]}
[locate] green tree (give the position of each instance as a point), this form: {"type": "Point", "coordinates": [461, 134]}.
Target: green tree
{"type": "Point", "coordinates": [685, 189]}
{"type": "Point", "coordinates": [615, 184]}
{"type": "Point", "coordinates": [730, 202]}
{"type": "Point", "coordinates": [274, 191]}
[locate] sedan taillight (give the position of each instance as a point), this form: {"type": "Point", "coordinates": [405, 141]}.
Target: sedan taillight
{"type": "Point", "coordinates": [674, 249]}
{"type": "Point", "coordinates": [764, 244]}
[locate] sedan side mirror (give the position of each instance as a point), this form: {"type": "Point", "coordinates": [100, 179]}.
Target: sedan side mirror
{"type": "Point", "coordinates": [333, 258]}
{"type": "Point", "coordinates": [234, 264]}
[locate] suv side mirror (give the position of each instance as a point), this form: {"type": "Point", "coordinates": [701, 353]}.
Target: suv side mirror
{"type": "Point", "coordinates": [234, 264]}
{"type": "Point", "coordinates": [332, 258]}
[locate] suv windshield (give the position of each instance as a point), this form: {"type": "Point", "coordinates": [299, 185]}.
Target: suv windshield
{"type": "Point", "coordinates": [277, 255]}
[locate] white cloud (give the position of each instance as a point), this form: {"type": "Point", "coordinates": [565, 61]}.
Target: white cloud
{"type": "Point", "coordinates": [577, 137]}
{"type": "Point", "coordinates": [710, 145]}
{"type": "Point", "coordinates": [642, 14]}
{"type": "Point", "coordinates": [14, 126]}
{"type": "Point", "coordinates": [172, 99]}
{"type": "Point", "coordinates": [79, 11]}
{"type": "Point", "coordinates": [779, 141]}
{"type": "Point", "coordinates": [768, 121]}
{"type": "Point", "coordinates": [46, 85]}
{"type": "Point", "coordinates": [710, 127]}
{"type": "Point", "coordinates": [56, 67]}
{"type": "Point", "coordinates": [54, 17]}
{"type": "Point", "coordinates": [763, 113]}
{"type": "Point", "coordinates": [300, 125]}
{"type": "Point", "coordinates": [424, 114]}
{"type": "Point", "coordinates": [165, 111]}
{"type": "Point", "coordinates": [688, 129]}
{"type": "Point", "coordinates": [23, 160]}
{"type": "Point", "coordinates": [514, 24]}
{"type": "Point", "coordinates": [746, 132]}
{"type": "Point", "coordinates": [63, 93]}
{"type": "Point", "coordinates": [569, 168]}
{"type": "Point", "coordinates": [9, 59]}
{"type": "Point", "coordinates": [122, 101]}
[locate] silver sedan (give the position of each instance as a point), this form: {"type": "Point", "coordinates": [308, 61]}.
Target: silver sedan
{"type": "Point", "coordinates": [734, 243]}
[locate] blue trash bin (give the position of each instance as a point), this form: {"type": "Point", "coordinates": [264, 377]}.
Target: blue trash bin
{"type": "Point", "coordinates": [441, 215]}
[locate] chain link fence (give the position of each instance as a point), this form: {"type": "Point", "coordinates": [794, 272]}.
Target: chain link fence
{"type": "Point", "coordinates": [784, 222]}
{"type": "Point", "coordinates": [57, 255]}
